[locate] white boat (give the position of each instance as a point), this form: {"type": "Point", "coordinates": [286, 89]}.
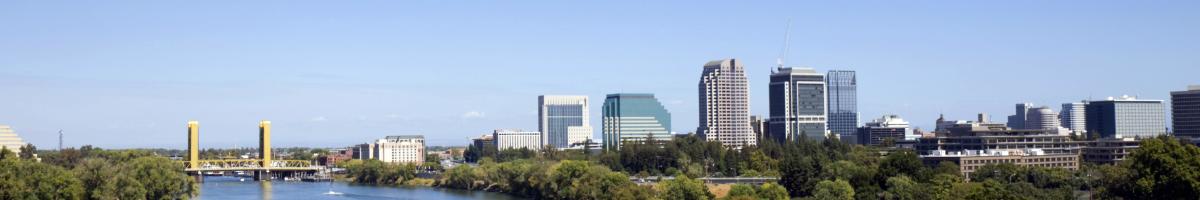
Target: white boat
{"type": "Point", "coordinates": [331, 192]}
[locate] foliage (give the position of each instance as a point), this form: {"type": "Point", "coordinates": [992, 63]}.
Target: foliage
{"type": "Point", "coordinates": [27, 151]}
{"type": "Point", "coordinates": [94, 173]}
{"type": "Point", "coordinates": [1162, 168]}
{"type": "Point", "coordinates": [545, 180]}
{"type": "Point", "coordinates": [682, 188]}
{"type": "Point", "coordinates": [379, 173]}
{"type": "Point", "coordinates": [833, 190]}
{"type": "Point", "coordinates": [23, 179]}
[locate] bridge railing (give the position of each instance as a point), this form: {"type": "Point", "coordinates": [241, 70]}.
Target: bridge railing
{"type": "Point", "coordinates": [246, 164]}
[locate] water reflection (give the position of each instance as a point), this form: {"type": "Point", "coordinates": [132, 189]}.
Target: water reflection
{"type": "Point", "coordinates": [265, 186]}
{"type": "Point", "coordinates": [233, 188]}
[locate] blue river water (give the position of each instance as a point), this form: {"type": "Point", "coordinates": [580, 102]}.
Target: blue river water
{"type": "Point", "coordinates": [220, 188]}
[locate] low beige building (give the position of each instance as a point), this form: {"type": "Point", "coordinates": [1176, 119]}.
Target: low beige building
{"type": "Point", "coordinates": [969, 161]}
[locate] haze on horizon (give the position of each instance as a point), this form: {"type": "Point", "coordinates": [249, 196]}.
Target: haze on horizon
{"type": "Point", "coordinates": [125, 75]}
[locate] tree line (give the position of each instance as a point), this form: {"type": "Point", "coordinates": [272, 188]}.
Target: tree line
{"type": "Point", "coordinates": [92, 173]}
{"type": "Point", "coordinates": [1163, 167]}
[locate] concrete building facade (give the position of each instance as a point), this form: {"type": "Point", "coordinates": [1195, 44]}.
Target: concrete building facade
{"type": "Point", "coordinates": [517, 139]}
{"type": "Point", "coordinates": [724, 107]}
{"type": "Point", "coordinates": [887, 128]}
{"type": "Point", "coordinates": [1017, 121]}
{"type": "Point", "coordinates": [563, 120]}
{"type": "Point", "coordinates": [1074, 117]}
{"type": "Point", "coordinates": [400, 149]}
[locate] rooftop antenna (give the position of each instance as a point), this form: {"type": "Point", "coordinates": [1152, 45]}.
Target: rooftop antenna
{"type": "Point", "coordinates": [786, 38]}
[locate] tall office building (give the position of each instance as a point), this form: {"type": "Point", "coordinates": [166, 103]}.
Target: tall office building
{"type": "Point", "coordinates": [10, 140]}
{"type": "Point", "coordinates": [563, 120]}
{"type": "Point", "coordinates": [1073, 116]}
{"type": "Point", "coordinates": [517, 139]}
{"type": "Point", "coordinates": [725, 104]}
{"type": "Point", "coordinates": [1041, 118]}
{"type": "Point", "coordinates": [634, 118]}
{"type": "Point", "coordinates": [1126, 117]}
{"type": "Point", "coordinates": [1017, 121]}
{"type": "Point", "coordinates": [843, 103]}
{"type": "Point", "coordinates": [797, 97]}
{"type": "Point", "coordinates": [1185, 112]}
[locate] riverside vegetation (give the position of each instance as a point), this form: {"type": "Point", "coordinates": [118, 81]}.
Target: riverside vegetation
{"type": "Point", "coordinates": [1163, 168]}
{"type": "Point", "coordinates": [92, 173]}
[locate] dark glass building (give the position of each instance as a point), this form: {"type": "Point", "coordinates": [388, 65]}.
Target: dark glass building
{"type": "Point", "coordinates": [1185, 112]}
{"type": "Point", "coordinates": [797, 104]}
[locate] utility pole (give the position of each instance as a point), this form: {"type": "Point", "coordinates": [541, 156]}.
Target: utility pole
{"type": "Point", "coordinates": [60, 138]}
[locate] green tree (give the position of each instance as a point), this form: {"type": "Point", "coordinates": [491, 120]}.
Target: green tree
{"type": "Point", "coordinates": [833, 190]}
{"type": "Point", "coordinates": [103, 180]}
{"type": "Point", "coordinates": [904, 188]}
{"type": "Point", "coordinates": [1162, 168]}
{"type": "Point", "coordinates": [941, 187]}
{"type": "Point", "coordinates": [683, 188]}
{"type": "Point", "coordinates": [772, 191]}
{"type": "Point", "coordinates": [22, 179]}
{"type": "Point", "coordinates": [162, 178]}
{"type": "Point", "coordinates": [899, 163]}
{"type": "Point", "coordinates": [27, 151]}
{"type": "Point", "coordinates": [7, 154]}
{"type": "Point", "coordinates": [742, 191]}
{"type": "Point", "coordinates": [995, 190]}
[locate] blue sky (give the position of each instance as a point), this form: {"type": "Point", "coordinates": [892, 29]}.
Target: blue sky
{"type": "Point", "coordinates": [130, 74]}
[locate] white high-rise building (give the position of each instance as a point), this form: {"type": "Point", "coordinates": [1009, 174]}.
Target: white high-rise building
{"type": "Point", "coordinates": [516, 139]}
{"type": "Point", "coordinates": [563, 120]}
{"type": "Point", "coordinates": [400, 149]}
{"type": "Point", "coordinates": [725, 104]}
{"type": "Point", "coordinates": [10, 140]}
{"type": "Point", "coordinates": [1074, 116]}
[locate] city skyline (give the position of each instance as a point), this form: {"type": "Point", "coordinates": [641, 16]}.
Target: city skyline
{"type": "Point", "coordinates": [105, 73]}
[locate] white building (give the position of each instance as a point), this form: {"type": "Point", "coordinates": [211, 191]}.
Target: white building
{"type": "Point", "coordinates": [400, 149]}
{"type": "Point", "coordinates": [1041, 118]}
{"type": "Point", "coordinates": [563, 120]}
{"type": "Point", "coordinates": [10, 140]}
{"type": "Point", "coordinates": [725, 104]}
{"type": "Point", "coordinates": [516, 139]}
{"type": "Point", "coordinates": [1074, 117]}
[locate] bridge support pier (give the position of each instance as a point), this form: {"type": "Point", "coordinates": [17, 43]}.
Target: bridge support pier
{"type": "Point", "coordinates": [199, 177]}
{"type": "Point", "coordinates": [263, 175]}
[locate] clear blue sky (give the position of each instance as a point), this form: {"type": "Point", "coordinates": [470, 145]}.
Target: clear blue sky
{"type": "Point", "coordinates": [122, 75]}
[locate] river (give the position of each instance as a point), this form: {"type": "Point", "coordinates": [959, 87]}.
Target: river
{"type": "Point", "coordinates": [219, 188]}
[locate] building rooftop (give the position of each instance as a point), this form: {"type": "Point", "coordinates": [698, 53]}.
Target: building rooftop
{"type": "Point", "coordinates": [397, 137]}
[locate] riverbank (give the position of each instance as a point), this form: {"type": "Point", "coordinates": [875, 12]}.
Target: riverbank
{"type": "Point", "coordinates": [232, 188]}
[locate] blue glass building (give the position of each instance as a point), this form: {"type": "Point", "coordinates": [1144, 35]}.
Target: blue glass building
{"type": "Point", "coordinates": [843, 103]}
{"type": "Point", "coordinates": [630, 117]}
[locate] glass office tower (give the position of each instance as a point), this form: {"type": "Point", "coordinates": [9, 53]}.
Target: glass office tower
{"type": "Point", "coordinates": [843, 103]}
{"type": "Point", "coordinates": [634, 118]}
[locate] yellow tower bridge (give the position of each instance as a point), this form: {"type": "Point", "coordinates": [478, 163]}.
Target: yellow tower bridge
{"type": "Point", "coordinates": [261, 167]}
